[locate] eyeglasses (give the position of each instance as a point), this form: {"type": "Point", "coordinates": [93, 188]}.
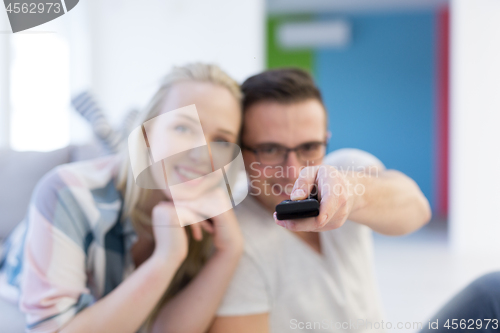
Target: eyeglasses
{"type": "Point", "coordinates": [275, 154]}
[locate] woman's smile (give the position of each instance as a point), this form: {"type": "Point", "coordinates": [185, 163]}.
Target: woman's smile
{"type": "Point", "coordinates": [185, 174]}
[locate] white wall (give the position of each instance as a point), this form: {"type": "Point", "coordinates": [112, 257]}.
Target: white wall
{"type": "Point", "coordinates": [475, 126]}
{"type": "Point", "coordinates": [134, 43]}
{"type": "Point", "coordinates": [34, 96]}
{"type": "Point", "coordinates": [4, 79]}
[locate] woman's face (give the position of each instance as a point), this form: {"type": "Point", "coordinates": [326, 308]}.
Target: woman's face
{"type": "Point", "coordinates": [220, 117]}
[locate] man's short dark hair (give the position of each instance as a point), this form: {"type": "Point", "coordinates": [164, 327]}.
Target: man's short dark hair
{"type": "Point", "coordinates": [284, 85]}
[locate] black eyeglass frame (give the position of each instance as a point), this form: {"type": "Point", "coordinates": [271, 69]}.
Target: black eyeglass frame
{"type": "Point", "coordinates": [287, 151]}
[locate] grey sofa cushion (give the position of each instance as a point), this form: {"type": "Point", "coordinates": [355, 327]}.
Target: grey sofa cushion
{"type": "Point", "coordinates": [91, 150]}
{"type": "Point", "coordinates": [19, 173]}
{"type": "Point", "coordinates": [12, 320]}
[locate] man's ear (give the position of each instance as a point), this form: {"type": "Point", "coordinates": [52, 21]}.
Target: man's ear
{"type": "Point", "coordinates": [328, 136]}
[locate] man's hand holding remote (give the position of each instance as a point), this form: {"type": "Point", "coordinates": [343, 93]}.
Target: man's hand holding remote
{"type": "Point", "coordinates": [336, 195]}
{"type": "Point", "coordinates": [387, 201]}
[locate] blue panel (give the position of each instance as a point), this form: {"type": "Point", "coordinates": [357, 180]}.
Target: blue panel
{"type": "Point", "coordinates": [379, 91]}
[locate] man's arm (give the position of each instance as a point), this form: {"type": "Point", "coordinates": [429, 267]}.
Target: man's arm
{"type": "Point", "coordinates": [392, 204]}
{"type": "Point", "coordinates": [387, 201]}
{"type": "Point", "coordinates": [242, 324]}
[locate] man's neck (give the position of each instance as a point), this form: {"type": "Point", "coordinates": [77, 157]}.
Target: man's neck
{"type": "Point", "coordinates": [310, 238]}
{"type": "Point", "coordinates": [267, 207]}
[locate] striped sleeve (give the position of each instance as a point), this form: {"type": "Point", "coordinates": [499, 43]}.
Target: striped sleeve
{"type": "Point", "coordinates": [53, 287]}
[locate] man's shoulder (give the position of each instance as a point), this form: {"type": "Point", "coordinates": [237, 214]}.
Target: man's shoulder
{"type": "Point", "coordinates": [352, 157]}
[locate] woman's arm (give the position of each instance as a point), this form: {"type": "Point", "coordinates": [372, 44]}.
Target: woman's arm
{"type": "Point", "coordinates": [192, 310]}
{"type": "Point", "coordinates": [129, 305]}
{"type": "Point", "coordinates": [241, 324]}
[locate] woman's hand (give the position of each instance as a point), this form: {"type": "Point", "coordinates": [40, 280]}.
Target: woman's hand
{"type": "Point", "coordinates": [170, 238]}
{"type": "Point", "coordinates": [193, 309]}
{"type": "Point", "coordinates": [224, 226]}
{"type": "Point", "coordinates": [226, 233]}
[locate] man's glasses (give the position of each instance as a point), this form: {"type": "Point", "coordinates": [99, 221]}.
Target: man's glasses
{"type": "Point", "coordinates": [275, 154]}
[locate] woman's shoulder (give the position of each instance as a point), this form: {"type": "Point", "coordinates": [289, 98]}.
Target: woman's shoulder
{"type": "Point", "coordinates": [89, 174]}
{"type": "Point", "coordinates": [70, 204]}
{"type": "Point", "coordinates": [79, 191]}
{"type": "Point", "coordinates": [82, 175]}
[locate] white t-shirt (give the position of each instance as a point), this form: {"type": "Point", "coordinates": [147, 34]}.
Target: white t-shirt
{"type": "Point", "coordinates": [302, 290]}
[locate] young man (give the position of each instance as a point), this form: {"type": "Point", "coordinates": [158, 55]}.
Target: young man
{"type": "Point", "coordinates": [314, 273]}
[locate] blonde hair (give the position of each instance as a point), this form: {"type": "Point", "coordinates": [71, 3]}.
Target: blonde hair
{"type": "Point", "coordinates": [134, 196]}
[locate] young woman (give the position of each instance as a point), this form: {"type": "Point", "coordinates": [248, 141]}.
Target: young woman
{"type": "Point", "coordinates": [97, 253]}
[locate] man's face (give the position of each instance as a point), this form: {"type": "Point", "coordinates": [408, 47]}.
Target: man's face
{"type": "Point", "coordinates": [288, 125]}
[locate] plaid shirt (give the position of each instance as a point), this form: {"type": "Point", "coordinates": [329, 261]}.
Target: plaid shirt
{"type": "Point", "coordinates": [71, 249]}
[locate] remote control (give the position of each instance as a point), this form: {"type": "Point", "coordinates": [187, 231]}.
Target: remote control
{"type": "Point", "coordinates": [297, 209]}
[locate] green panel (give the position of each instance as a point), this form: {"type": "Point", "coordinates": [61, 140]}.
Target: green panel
{"type": "Point", "coordinates": [279, 57]}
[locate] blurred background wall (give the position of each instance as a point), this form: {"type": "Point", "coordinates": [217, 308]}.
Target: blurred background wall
{"type": "Point", "coordinates": [382, 82]}
{"type": "Point", "coordinates": [474, 123]}
{"type": "Point", "coordinates": [119, 50]}
{"type": "Point", "coordinates": [136, 42]}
